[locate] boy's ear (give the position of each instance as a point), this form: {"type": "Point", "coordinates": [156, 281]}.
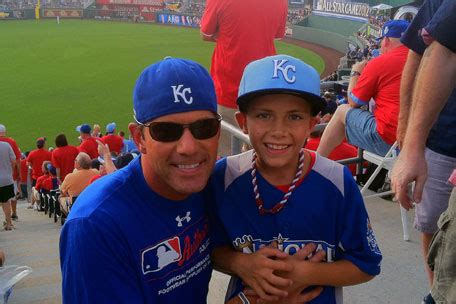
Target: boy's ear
{"type": "Point", "coordinates": [241, 119]}
{"type": "Point", "coordinates": [138, 138]}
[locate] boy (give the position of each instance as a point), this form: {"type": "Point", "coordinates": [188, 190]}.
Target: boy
{"type": "Point", "coordinates": [283, 194]}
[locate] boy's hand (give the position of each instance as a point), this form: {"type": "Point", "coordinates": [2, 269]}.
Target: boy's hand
{"type": "Point", "coordinates": [295, 291]}
{"type": "Point", "coordinates": [298, 260]}
{"type": "Point", "coordinates": [258, 269]}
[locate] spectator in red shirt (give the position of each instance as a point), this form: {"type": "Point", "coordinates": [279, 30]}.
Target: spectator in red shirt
{"type": "Point", "coordinates": [36, 159]}
{"type": "Point", "coordinates": [17, 168]}
{"type": "Point", "coordinates": [114, 142]}
{"type": "Point", "coordinates": [63, 157]}
{"type": "Point", "coordinates": [342, 151]}
{"type": "Point", "coordinates": [89, 144]}
{"type": "Point", "coordinates": [244, 31]}
{"type": "Point", "coordinates": [23, 174]}
{"type": "Point", "coordinates": [378, 80]}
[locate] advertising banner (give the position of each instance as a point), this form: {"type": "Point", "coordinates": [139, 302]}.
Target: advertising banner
{"type": "Point", "coordinates": [61, 12]}
{"type": "Point", "coordinates": [12, 14]}
{"type": "Point", "coordinates": [342, 9]}
{"type": "Point", "coordinates": [156, 3]}
{"type": "Point", "coordinates": [179, 20]}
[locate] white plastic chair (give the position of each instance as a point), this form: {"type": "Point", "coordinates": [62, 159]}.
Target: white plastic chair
{"type": "Point", "coordinates": [387, 163]}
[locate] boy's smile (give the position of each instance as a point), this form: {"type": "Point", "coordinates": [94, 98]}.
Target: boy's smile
{"type": "Point", "coordinates": [278, 126]}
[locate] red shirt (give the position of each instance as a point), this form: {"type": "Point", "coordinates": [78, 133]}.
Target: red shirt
{"type": "Point", "coordinates": [47, 183]}
{"type": "Point", "coordinates": [17, 153]}
{"type": "Point", "coordinates": [24, 171]}
{"type": "Point", "coordinates": [89, 146]}
{"type": "Point", "coordinates": [40, 181]}
{"type": "Point", "coordinates": [36, 159]}
{"type": "Point", "coordinates": [114, 142]}
{"type": "Point", "coordinates": [245, 31]}
{"type": "Point", "coordinates": [381, 80]}
{"type": "Point", "coordinates": [342, 151]}
{"type": "Point", "coordinates": [63, 159]}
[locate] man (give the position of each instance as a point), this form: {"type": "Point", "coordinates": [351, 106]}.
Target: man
{"type": "Point", "coordinates": [16, 170]}
{"type": "Point", "coordinates": [244, 31]}
{"type": "Point", "coordinates": [77, 181]}
{"type": "Point", "coordinates": [434, 81]}
{"type": "Point", "coordinates": [7, 163]}
{"type": "Point", "coordinates": [36, 158]}
{"type": "Point", "coordinates": [440, 151]}
{"type": "Point", "coordinates": [379, 79]}
{"type": "Point", "coordinates": [140, 234]}
{"type": "Point", "coordinates": [88, 142]}
{"type": "Point", "coordinates": [114, 142]}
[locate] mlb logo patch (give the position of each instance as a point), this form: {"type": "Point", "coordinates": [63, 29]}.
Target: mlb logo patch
{"type": "Point", "coordinates": [159, 256]}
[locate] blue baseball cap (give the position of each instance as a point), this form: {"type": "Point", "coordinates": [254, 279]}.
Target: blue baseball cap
{"type": "Point", "coordinates": [111, 127]}
{"type": "Point", "coordinates": [394, 29]}
{"type": "Point", "coordinates": [170, 86]}
{"type": "Point", "coordinates": [281, 74]}
{"type": "Point", "coordinates": [84, 128]}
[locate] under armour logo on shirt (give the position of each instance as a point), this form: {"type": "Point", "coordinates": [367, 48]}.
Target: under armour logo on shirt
{"type": "Point", "coordinates": [180, 93]}
{"type": "Point", "coordinates": [279, 67]}
{"type": "Point", "coordinates": [186, 218]}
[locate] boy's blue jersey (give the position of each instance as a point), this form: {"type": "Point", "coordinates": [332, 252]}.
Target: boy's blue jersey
{"type": "Point", "coordinates": [326, 208]}
{"type": "Point", "coordinates": [123, 243]}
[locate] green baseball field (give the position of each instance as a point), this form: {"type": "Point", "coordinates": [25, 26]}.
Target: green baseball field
{"type": "Point", "coordinates": [54, 77]}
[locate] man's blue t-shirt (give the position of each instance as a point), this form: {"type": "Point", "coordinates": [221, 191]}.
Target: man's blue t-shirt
{"type": "Point", "coordinates": [123, 243]}
{"type": "Point", "coordinates": [438, 17]}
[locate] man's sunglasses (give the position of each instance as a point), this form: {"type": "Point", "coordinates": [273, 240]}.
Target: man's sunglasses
{"type": "Point", "coordinates": [170, 131]}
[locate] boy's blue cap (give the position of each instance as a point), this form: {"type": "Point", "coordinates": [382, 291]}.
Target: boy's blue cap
{"type": "Point", "coordinates": [111, 127]}
{"type": "Point", "coordinates": [394, 29]}
{"type": "Point", "coordinates": [281, 74]}
{"type": "Point", "coordinates": [84, 128]}
{"type": "Point", "coordinates": [171, 86]}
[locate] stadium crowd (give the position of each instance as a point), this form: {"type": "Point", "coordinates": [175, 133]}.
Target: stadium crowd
{"type": "Point", "coordinates": [69, 169]}
{"type": "Point", "coordinates": [349, 124]}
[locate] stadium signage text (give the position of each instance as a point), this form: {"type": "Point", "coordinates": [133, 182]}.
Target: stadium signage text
{"type": "Point", "coordinates": [177, 19]}
{"type": "Point", "coordinates": [342, 7]}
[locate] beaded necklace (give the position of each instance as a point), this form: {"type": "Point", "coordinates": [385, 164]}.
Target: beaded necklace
{"type": "Point", "coordinates": [279, 206]}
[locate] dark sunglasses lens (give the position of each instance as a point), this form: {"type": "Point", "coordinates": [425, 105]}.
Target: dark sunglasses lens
{"type": "Point", "coordinates": [166, 131]}
{"type": "Point", "coordinates": [204, 129]}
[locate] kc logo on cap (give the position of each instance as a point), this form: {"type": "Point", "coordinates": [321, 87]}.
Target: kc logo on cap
{"type": "Point", "coordinates": [278, 66]}
{"type": "Point", "coordinates": [180, 91]}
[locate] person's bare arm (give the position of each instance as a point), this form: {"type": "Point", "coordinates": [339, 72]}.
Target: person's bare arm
{"type": "Point", "coordinates": [210, 38]}
{"type": "Point", "coordinates": [435, 80]}
{"type": "Point", "coordinates": [105, 153]}
{"type": "Point", "coordinates": [339, 273]}
{"type": "Point", "coordinates": [357, 67]}
{"type": "Point", "coordinates": [407, 81]}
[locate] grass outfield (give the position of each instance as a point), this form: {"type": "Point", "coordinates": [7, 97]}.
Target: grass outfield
{"type": "Point", "coordinates": [54, 77]}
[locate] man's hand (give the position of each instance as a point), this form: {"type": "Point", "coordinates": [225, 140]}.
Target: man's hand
{"type": "Point", "coordinates": [409, 167]}
{"type": "Point", "coordinates": [359, 66]}
{"type": "Point", "coordinates": [258, 269]}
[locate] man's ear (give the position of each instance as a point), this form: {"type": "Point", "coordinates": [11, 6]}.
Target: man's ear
{"type": "Point", "coordinates": [138, 137]}
{"type": "Point", "coordinates": [241, 119]}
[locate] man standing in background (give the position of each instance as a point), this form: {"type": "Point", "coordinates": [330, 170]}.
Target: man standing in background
{"type": "Point", "coordinates": [244, 31]}
{"type": "Point", "coordinates": [17, 167]}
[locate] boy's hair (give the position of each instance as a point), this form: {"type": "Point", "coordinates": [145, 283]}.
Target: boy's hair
{"type": "Point", "coordinates": [280, 74]}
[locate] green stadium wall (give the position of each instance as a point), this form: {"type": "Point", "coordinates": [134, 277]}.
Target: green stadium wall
{"type": "Point", "coordinates": [327, 31]}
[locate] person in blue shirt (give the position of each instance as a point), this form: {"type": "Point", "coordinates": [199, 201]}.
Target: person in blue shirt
{"type": "Point", "coordinates": [141, 234]}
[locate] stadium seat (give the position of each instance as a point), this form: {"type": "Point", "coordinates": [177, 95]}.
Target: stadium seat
{"type": "Point", "coordinates": [387, 163]}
